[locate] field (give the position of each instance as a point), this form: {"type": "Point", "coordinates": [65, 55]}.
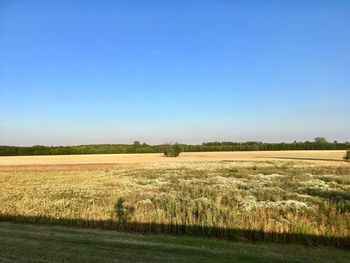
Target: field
{"type": "Point", "coordinates": [185, 157]}
{"type": "Point", "coordinates": [29, 243]}
{"type": "Point", "coordinates": [289, 197]}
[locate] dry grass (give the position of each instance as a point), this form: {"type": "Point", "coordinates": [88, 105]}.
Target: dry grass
{"type": "Point", "coordinates": [307, 198]}
{"type": "Point", "coordinates": [310, 156]}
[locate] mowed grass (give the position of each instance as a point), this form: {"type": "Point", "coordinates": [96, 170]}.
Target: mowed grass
{"type": "Point", "coordinates": [29, 243]}
{"type": "Point", "coordinates": [266, 200]}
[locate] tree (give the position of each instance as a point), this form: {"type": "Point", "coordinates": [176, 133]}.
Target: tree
{"type": "Point", "coordinates": [347, 155]}
{"type": "Point", "coordinates": [172, 150]}
{"type": "Point", "coordinates": [320, 140]}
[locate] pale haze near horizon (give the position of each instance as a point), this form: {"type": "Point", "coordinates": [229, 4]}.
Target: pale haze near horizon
{"type": "Point", "coordinates": [114, 72]}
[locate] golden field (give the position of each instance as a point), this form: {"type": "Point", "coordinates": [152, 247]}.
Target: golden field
{"type": "Point", "coordinates": [281, 196]}
{"type": "Point", "coordinates": [159, 158]}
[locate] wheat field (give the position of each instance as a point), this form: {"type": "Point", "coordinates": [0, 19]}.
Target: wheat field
{"type": "Point", "coordinates": [277, 196]}
{"type": "Point", "coordinates": [184, 157]}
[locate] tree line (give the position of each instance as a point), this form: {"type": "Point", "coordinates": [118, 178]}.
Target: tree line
{"type": "Point", "coordinates": [319, 143]}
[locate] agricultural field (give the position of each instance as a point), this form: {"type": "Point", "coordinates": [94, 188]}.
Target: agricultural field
{"type": "Point", "coordinates": [313, 156]}
{"type": "Point", "coordinates": [287, 197]}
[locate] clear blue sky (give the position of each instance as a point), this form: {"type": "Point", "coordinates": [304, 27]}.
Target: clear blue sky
{"type": "Point", "coordinates": [80, 72]}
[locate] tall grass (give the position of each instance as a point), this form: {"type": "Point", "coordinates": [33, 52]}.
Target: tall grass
{"type": "Point", "coordinates": [276, 201]}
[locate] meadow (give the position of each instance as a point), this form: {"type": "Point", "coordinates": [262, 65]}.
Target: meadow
{"type": "Point", "coordinates": [289, 197]}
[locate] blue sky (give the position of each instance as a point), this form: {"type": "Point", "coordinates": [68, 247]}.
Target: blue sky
{"type": "Point", "coordinates": [81, 72]}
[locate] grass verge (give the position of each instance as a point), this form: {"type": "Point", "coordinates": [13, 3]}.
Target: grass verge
{"type": "Point", "coordinates": [32, 243]}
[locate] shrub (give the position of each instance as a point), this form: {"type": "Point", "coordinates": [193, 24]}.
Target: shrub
{"type": "Point", "coordinates": [347, 155]}
{"type": "Point", "coordinates": [172, 150]}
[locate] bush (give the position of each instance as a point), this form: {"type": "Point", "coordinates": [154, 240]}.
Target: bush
{"type": "Point", "coordinates": [172, 150]}
{"type": "Point", "coordinates": [347, 155]}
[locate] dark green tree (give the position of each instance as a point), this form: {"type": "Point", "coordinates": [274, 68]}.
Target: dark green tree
{"type": "Point", "coordinates": [172, 150]}
{"type": "Point", "coordinates": [320, 140]}
{"type": "Point", "coordinates": [347, 155]}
